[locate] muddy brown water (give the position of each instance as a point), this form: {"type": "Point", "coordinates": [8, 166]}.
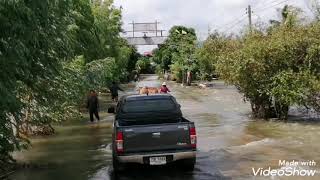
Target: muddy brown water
{"type": "Point", "coordinates": [230, 143]}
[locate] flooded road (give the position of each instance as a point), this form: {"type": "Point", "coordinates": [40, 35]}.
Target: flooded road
{"type": "Point", "coordinates": [230, 143]}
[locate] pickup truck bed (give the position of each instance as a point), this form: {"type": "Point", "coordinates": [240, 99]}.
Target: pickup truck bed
{"type": "Point", "coordinates": [152, 135]}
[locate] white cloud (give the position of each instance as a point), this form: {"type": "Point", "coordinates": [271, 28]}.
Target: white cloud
{"type": "Point", "coordinates": [224, 15]}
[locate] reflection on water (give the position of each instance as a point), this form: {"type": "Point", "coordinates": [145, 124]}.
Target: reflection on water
{"type": "Point", "coordinates": [230, 143]}
{"type": "Point", "coordinates": [73, 153]}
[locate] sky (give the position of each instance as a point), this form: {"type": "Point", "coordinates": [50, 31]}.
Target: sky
{"type": "Point", "coordinates": [227, 16]}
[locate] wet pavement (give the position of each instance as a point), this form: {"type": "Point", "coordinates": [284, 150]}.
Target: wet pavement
{"type": "Point", "coordinates": [230, 143]}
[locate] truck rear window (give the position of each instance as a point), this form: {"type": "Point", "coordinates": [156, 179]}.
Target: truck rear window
{"type": "Point", "coordinates": [149, 106]}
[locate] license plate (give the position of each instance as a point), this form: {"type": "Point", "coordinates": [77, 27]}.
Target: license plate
{"type": "Point", "coordinates": [158, 160]}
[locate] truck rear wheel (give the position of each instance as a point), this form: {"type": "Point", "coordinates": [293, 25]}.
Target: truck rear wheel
{"type": "Point", "coordinates": [188, 164]}
{"type": "Point", "coordinates": [117, 166]}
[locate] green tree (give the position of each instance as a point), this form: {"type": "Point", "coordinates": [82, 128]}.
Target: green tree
{"type": "Point", "coordinates": [273, 71]}
{"type": "Point", "coordinates": [35, 40]}
{"type": "Point", "coordinates": [208, 55]}
{"type": "Point", "coordinates": [178, 52]}
{"type": "Point", "coordinates": [143, 65]}
{"type": "Point", "coordinates": [106, 29]}
{"type": "Point", "coordinates": [289, 16]}
{"type": "Point", "coordinates": [51, 53]}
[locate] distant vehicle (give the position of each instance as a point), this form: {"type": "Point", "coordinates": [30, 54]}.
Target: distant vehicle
{"type": "Point", "coordinates": [151, 130]}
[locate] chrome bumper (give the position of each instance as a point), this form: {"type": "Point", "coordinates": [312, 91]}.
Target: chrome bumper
{"type": "Point", "coordinates": [139, 158]}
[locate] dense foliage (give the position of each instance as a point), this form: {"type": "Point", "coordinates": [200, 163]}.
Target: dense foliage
{"type": "Point", "coordinates": [177, 54]}
{"type": "Point", "coordinates": [206, 59]}
{"type": "Point", "coordinates": [51, 53]}
{"type": "Point", "coordinates": [274, 69]}
{"type": "Point", "coordinates": [143, 65]}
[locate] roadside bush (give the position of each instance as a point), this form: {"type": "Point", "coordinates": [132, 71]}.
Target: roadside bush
{"type": "Point", "coordinates": [143, 65]}
{"type": "Point", "coordinates": [274, 71]}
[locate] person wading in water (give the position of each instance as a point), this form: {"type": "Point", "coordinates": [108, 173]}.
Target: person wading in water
{"type": "Point", "coordinates": [93, 105]}
{"type": "Point", "coordinates": [164, 88]}
{"type": "Point", "coordinates": [114, 91]}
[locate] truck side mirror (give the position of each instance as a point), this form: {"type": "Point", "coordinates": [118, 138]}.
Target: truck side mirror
{"type": "Point", "coordinates": [111, 110]}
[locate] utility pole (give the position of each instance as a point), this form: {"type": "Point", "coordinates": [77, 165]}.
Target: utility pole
{"type": "Point", "coordinates": [132, 28]}
{"type": "Point", "coordinates": [249, 12]}
{"type": "Point", "coordinates": [156, 28]}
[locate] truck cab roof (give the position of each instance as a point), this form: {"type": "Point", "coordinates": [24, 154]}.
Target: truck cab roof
{"type": "Point", "coordinates": [137, 109]}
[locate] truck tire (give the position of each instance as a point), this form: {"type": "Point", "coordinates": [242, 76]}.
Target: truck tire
{"type": "Point", "coordinates": [117, 166]}
{"type": "Point", "coordinates": [188, 164]}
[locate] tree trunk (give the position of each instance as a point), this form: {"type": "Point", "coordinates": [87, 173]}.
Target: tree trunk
{"type": "Point", "coordinates": [281, 110]}
{"type": "Point", "coordinates": [184, 77]}
{"type": "Point", "coordinates": [189, 78]}
{"type": "Point", "coordinates": [262, 108]}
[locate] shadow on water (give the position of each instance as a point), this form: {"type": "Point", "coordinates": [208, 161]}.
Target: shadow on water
{"type": "Point", "coordinates": [72, 153]}
{"type": "Point", "coordinates": [172, 172]}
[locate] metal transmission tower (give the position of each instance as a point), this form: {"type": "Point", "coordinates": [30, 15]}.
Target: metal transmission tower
{"type": "Point", "coordinates": [145, 34]}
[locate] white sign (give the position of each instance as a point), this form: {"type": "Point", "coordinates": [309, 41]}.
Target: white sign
{"type": "Point", "coordinates": [145, 27]}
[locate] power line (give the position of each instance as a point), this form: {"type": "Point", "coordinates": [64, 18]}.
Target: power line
{"type": "Point", "coordinates": [234, 24]}
{"type": "Point", "coordinates": [236, 21]}
{"type": "Point", "coordinates": [259, 16]}
{"type": "Point", "coordinates": [231, 22]}
{"type": "Point", "coordinates": [258, 4]}
{"type": "Point", "coordinates": [227, 29]}
{"type": "Point", "coordinates": [270, 3]}
{"type": "Point", "coordinates": [266, 8]}
{"type": "Point", "coordinates": [241, 19]}
{"type": "Point", "coordinates": [229, 26]}
{"type": "Point", "coordinates": [266, 3]}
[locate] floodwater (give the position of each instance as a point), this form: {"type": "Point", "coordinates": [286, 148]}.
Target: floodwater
{"type": "Point", "coordinates": [230, 143]}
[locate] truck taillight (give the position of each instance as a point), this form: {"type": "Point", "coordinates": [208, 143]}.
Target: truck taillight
{"type": "Point", "coordinates": [119, 142]}
{"type": "Point", "coordinates": [193, 137]}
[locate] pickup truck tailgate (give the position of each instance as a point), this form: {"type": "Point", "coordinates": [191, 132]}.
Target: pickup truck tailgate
{"type": "Point", "coordinates": [156, 137]}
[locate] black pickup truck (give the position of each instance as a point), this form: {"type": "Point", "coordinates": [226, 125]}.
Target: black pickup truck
{"type": "Point", "coordinates": [151, 130]}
